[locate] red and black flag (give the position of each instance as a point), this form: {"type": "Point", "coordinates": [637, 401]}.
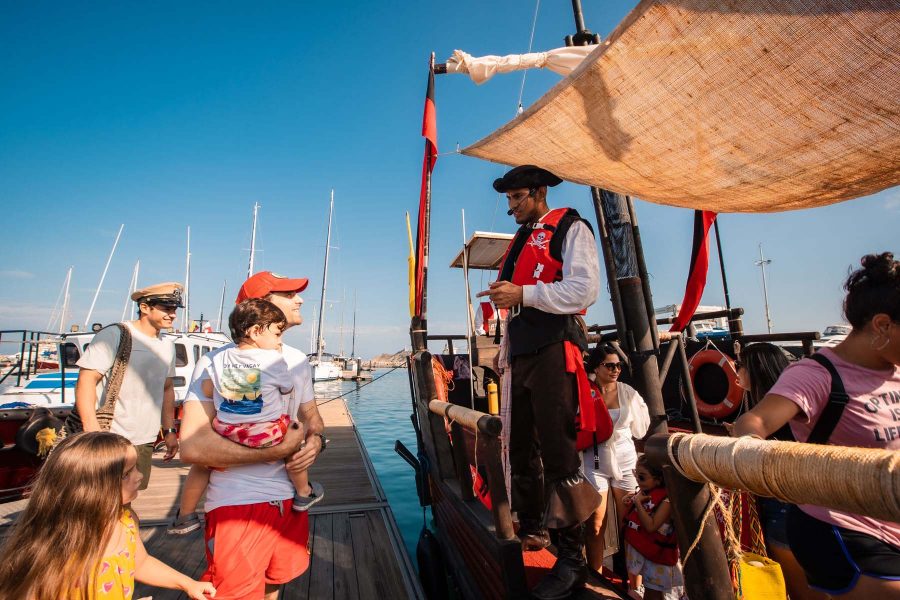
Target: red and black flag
{"type": "Point", "coordinates": [696, 282]}
{"type": "Point", "coordinates": [429, 132]}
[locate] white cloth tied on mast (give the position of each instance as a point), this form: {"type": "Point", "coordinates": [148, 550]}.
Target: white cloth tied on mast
{"type": "Point", "coordinates": [481, 68]}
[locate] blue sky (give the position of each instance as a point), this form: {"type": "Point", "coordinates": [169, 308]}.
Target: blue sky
{"type": "Point", "coordinates": [167, 115]}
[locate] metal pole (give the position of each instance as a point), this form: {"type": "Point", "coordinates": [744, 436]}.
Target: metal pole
{"type": "Point", "coordinates": [65, 305]}
{"type": "Point", "coordinates": [87, 319]}
{"type": "Point", "coordinates": [761, 263]}
{"type": "Point", "coordinates": [131, 288]}
{"type": "Point", "coordinates": [187, 284]}
{"type": "Point", "coordinates": [470, 325]}
{"type": "Point", "coordinates": [221, 306]}
{"type": "Point", "coordinates": [253, 240]}
{"type": "Point", "coordinates": [320, 341]}
{"type": "Point", "coordinates": [353, 338]}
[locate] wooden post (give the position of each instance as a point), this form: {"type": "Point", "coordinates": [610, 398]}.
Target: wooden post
{"type": "Point", "coordinates": [488, 448]}
{"type": "Point", "coordinates": [706, 572]}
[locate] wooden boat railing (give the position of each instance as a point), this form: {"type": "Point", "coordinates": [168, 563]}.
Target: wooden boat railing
{"type": "Point", "coordinates": [863, 481]}
{"type": "Point", "coordinates": [488, 547]}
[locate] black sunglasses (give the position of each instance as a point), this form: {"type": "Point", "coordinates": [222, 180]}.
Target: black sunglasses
{"type": "Point", "coordinates": [613, 366]}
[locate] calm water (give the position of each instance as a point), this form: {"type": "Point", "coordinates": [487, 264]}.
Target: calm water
{"type": "Point", "coordinates": [381, 412]}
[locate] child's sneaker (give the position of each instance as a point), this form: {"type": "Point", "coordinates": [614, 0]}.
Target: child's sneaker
{"type": "Point", "coordinates": [304, 503]}
{"type": "Point", "coordinates": [184, 524]}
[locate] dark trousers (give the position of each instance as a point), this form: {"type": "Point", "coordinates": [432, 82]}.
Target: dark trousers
{"type": "Point", "coordinates": [542, 429]}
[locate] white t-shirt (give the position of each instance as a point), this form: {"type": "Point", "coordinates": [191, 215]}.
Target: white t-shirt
{"type": "Point", "coordinates": [252, 385]}
{"type": "Point", "coordinates": [139, 406]}
{"type": "Point", "coordinates": [260, 482]}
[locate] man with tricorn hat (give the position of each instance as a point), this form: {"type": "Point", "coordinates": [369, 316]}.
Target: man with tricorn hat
{"type": "Point", "coordinates": [549, 276]}
{"type": "Point", "coordinates": [145, 399]}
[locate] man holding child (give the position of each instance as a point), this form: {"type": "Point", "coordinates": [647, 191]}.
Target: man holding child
{"type": "Point", "coordinates": [255, 542]}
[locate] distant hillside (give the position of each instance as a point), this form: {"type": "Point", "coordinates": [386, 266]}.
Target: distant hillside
{"type": "Point", "coordinates": [386, 361]}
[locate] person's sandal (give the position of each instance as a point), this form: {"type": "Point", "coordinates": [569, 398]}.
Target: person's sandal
{"type": "Point", "coordinates": [184, 524]}
{"type": "Point", "coordinates": [304, 503]}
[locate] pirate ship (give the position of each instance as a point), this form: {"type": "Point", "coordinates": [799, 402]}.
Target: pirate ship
{"type": "Point", "coordinates": [687, 103]}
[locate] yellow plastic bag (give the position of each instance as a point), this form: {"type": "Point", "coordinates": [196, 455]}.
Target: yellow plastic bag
{"type": "Point", "coordinates": [759, 578]}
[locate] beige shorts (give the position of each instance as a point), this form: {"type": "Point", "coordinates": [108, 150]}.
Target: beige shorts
{"type": "Point", "coordinates": [144, 460]}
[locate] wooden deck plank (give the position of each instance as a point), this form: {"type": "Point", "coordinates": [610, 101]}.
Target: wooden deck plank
{"type": "Point", "coordinates": [345, 580]}
{"type": "Point", "coordinates": [321, 573]}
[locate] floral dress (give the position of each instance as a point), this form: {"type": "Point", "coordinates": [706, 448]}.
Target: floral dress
{"type": "Point", "coordinates": [114, 579]}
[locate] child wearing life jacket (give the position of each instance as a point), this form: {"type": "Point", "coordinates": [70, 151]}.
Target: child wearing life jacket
{"type": "Point", "coordinates": [651, 550]}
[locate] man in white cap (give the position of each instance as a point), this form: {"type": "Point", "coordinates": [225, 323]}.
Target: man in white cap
{"type": "Point", "coordinates": [255, 542]}
{"type": "Point", "coordinates": [146, 398]}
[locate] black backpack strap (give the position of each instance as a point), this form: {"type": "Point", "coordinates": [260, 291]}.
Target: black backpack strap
{"type": "Point", "coordinates": [837, 401]}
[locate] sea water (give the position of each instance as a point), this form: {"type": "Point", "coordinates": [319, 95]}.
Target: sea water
{"type": "Point", "coordinates": [381, 410]}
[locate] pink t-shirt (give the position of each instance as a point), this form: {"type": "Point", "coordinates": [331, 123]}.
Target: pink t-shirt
{"type": "Point", "coordinates": [870, 420]}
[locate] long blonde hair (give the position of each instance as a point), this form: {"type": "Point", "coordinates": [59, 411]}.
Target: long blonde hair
{"type": "Point", "coordinates": [56, 544]}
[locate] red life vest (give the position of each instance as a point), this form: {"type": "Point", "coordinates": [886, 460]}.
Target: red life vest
{"type": "Point", "coordinates": [654, 546]}
{"type": "Point", "coordinates": [603, 424]}
{"type": "Point", "coordinates": [533, 255]}
{"type": "Point", "coordinates": [535, 263]}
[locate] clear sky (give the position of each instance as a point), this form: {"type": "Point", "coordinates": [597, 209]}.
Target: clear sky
{"type": "Point", "coordinates": [166, 115]}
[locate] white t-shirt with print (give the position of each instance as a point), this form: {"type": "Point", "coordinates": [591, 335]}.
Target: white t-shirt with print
{"type": "Point", "coordinates": [250, 385]}
{"type": "Point", "coordinates": [139, 406]}
{"type": "Point", "coordinates": [260, 482]}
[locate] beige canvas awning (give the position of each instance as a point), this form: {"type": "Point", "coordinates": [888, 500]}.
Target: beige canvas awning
{"type": "Point", "coordinates": [726, 105]}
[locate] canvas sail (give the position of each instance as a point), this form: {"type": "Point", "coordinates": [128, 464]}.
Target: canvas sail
{"type": "Point", "coordinates": [727, 106]}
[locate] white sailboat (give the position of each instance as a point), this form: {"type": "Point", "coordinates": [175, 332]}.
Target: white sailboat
{"type": "Point", "coordinates": [324, 368]}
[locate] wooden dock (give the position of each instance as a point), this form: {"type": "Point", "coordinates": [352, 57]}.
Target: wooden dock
{"type": "Point", "coordinates": [356, 548]}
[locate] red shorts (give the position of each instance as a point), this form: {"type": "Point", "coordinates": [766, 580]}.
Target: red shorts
{"type": "Point", "coordinates": [252, 545]}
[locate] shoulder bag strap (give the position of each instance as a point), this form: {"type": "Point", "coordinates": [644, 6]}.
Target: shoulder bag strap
{"type": "Point", "coordinates": [837, 401]}
{"type": "Point", "coordinates": [116, 375]}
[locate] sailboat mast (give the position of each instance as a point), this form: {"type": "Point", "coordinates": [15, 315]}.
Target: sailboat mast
{"type": "Point", "coordinates": [221, 306]}
{"type": "Point", "coordinates": [353, 338]}
{"type": "Point", "coordinates": [187, 284]}
{"type": "Point", "coordinates": [87, 319]}
{"type": "Point", "coordinates": [131, 288]}
{"type": "Point", "coordinates": [65, 306]}
{"type": "Point", "coordinates": [253, 240]}
{"type": "Point", "coordinates": [343, 300]}
{"type": "Point", "coordinates": [320, 346]}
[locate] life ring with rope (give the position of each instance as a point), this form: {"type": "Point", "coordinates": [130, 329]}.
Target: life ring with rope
{"type": "Point", "coordinates": [714, 379]}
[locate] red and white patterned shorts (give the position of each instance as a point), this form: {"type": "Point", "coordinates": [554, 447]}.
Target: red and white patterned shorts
{"type": "Point", "coordinates": [254, 435]}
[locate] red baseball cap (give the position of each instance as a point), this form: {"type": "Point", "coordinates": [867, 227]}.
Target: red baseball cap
{"type": "Point", "coordinates": [265, 282]}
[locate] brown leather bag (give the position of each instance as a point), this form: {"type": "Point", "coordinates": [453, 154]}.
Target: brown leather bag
{"type": "Point", "coordinates": [115, 376]}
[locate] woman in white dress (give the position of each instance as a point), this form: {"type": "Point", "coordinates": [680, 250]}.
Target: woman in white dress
{"type": "Point", "coordinates": [611, 464]}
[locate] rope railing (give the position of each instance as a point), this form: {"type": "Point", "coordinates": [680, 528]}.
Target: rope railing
{"type": "Point", "coordinates": [863, 481]}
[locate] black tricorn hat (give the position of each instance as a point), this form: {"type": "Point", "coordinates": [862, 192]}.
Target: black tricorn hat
{"type": "Point", "coordinates": [526, 176]}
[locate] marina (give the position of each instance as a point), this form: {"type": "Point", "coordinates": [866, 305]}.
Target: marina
{"type": "Point", "coordinates": [570, 414]}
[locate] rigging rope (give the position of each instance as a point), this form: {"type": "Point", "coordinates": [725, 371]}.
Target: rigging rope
{"type": "Point", "coordinates": [358, 387]}
{"type": "Point", "coordinates": [537, 7]}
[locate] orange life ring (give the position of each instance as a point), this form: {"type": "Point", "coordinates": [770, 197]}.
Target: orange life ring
{"type": "Point", "coordinates": [720, 405]}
